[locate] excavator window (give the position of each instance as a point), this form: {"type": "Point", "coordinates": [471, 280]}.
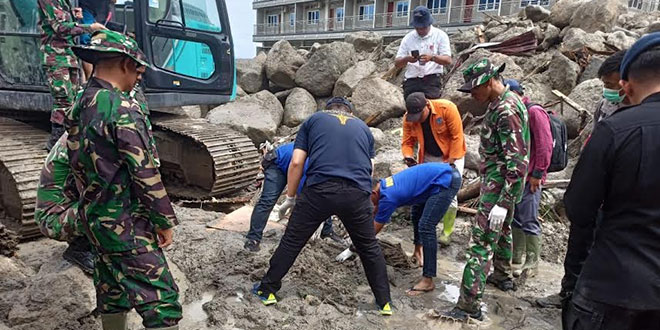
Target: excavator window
{"type": "Point", "coordinates": [184, 57]}
{"type": "Point", "coordinates": [193, 14]}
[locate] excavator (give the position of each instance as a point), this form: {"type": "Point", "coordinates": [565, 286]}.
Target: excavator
{"type": "Point", "coordinates": [189, 45]}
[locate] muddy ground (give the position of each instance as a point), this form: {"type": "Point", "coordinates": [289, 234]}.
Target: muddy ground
{"type": "Point", "coordinates": [38, 290]}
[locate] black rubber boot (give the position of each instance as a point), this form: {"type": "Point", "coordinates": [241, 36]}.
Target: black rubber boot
{"type": "Point", "coordinates": [504, 285]}
{"type": "Point", "coordinates": [335, 237]}
{"type": "Point", "coordinates": [56, 131]}
{"type": "Point", "coordinates": [80, 253]}
{"type": "Point", "coordinates": [459, 315]}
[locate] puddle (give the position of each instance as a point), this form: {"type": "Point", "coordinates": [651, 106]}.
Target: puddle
{"type": "Point", "coordinates": [451, 293]}
{"type": "Point", "coordinates": [194, 312]}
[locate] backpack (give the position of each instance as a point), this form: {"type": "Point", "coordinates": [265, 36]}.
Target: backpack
{"type": "Point", "coordinates": [559, 158]}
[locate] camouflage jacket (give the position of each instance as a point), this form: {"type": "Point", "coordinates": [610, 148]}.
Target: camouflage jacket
{"type": "Point", "coordinates": [57, 193]}
{"type": "Point", "coordinates": [505, 139]}
{"type": "Point", "coordinates": [123, 200]}
{"type": "Point", "coordinates": [58, 28]}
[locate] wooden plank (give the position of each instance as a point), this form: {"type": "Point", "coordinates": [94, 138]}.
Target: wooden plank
{"type": "Point", "coordinates": [239, 221]}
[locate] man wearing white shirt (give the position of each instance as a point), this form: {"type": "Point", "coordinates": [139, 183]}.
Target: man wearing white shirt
{"type": "Point", "coordinates": [424, 53]}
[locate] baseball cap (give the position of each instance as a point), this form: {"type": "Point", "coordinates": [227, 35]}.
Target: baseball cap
{"type": "Point", "coordinates": [421, 17]}
{"type": "Point", "coordinates": [415, 104]}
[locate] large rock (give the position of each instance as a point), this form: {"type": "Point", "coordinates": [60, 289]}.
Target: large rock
{"type": "Point", "coordinates": [598, 15]}
{"type": "Point", "coordinates": [620, 40]}
{"type": "Point", "coordinates": [587, 95]}
{"type": "Point", "coordinates": [257, 115]}
{"type": "Point", "coordinates": [387, 163]}
{"type": "Point", "coordinates": [562, 12]}
{"type": "Point", "coordinates": [576, 39]}
{"type": "Point", "coordinates": [550, 36]}
{"type": "Point", "coordinates": [463, 40]}
{"type": "Point", "coordinates": [282, 63]}
{"type": "Point", "coordinates": [563, 73]}
{"type": "Point", "coordinates": [591, 71]}
{"type": "Point", "coordinates": [379, 137]}
{"type": "Point", "coordinates": [539, 89]}
{"type": "Point", "coordinates": [376, 97]}
{"type": "Point", "coordinates": [472, 156]}
{"type": "Point", "coordinates": [364, 41]}
{"type": "Point", "coordinates": [351, 77]}
{"type": "Point", "coordinates": [251, 74]}
{"type": "Point", "coordinates": [391, 49]}
{"type": "Point", "coordinates": [509, 33]}
{"type": "Point", "coordinates": [299, 105]}
{"type": "Point", "coordinates": [536, 13]}
{"type": "Point", "coordinates": [320, 73]}
{"type": "Point", "coordinates": [464, 101]}
{"type": "Point", "coordinates": [653, 27]}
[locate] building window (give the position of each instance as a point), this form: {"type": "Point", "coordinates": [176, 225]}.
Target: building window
{"type": "Point", "coordinates": [339, 14]}
{"type": "Point", "coordinates": [313, 16]}
{"type": "Point", "coordinates": [525, 3]}
{"type": "Point", "coordinates": [637, 4]}
{"type": "Point", "coordinates": [437, 6]}
{"type": "Point", "coordinates": [366, 13]}
{"type": "Point", "coordinates": [485, 5]}
{"type": "Point", "coordinates": [273, 20]}
{"type": "Point", "coordinates": [292, 19]}
{"type": "Point", "coordinates": [402, 9]}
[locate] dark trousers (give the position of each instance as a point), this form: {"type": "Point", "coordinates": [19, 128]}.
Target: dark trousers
{"type": "Point", "coordinates": [426, 218]}
{"type": "Point", "coordinates": [430, 85]}
{"type": "Point", "coordinates": [274, 183]}
{"type": "Point", "coordinates": [585, 314]}
{"type": "Point", "coordinates": [317, 203]}
{"type": "Point", "coordinates": [527, 212]}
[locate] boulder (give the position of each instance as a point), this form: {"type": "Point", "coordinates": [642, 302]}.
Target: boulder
{"type": "Point", "coordinates": [463, 40]}
{"type": "Point", "coordinates": [576, 39]}
{"type": "Point", "coordinates": [282, 63]}
{"type": "Point", "coordinates": [536, 13]}
{"type": "Point", "coordinates": [587, 95]}
{"type": "Point", "coordinates": [620, 40]}
{"type": "Point", "coordinates": [472, 156]}
{"type": "Point", "coordinates": [539, 89]}
{"type": "Point", "coordinates": [303, 52]}
{"type": "Point", "coordinates": [257, 115]}
{"type": "Point", "coordinates": [351, 77]}
{"type": "Point", "coordinates": [379, 137]}
{"type": "Point", "coordinates": [550, 36]}
{"type": "Point", "coordinates": [598, 15]}
{"type": "Point", "coordinates": [320, 73]}
{"type": "Point", "coordinates": [250, 73]}
{"type": "Point", "coordinates": [562, 12]}
{"type": "Point", "coordinates": [510, 32]}
{"type": "Point", "coordinates": [282, 95]}
{"type": "Point", "coordinates": [364, 41]}
{"type": "Point", "coordinates": [591, 71]}
{"type": "Point", "coordinates": [391, 49]}
{"type": "Point", "coordinates": [240, 92]}
{"type": "Point", "coordinates": [494, 30]}
{"type": "Point", "coordinates": [375, 97]}
{"type": "Point", "coordinates": [299, 105]}
{"type": "Point", "coordinates": [464, 101]}
{"type": "Point", "coordinates": [563, 73]}
{"type": "Point", "coordinates": [653, 27]}
{"type": "Point", "coordinates": [387, 163]}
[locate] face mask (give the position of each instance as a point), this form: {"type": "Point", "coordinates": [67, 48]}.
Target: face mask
{"type": "Point", "coordinates": [613, 95]}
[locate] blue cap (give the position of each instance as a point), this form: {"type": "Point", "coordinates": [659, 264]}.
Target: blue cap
{"type": "Point", "coordinates": [421, 17]}
{"type": "Point", "coordinates": [340, 100]}
{"type": "Point", "coordinates": [515, 86]}
{"type": "Point", "coordinates": [642, 45]}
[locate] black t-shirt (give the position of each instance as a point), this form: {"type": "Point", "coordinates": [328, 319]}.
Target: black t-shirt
{"type": "Point", "coordinates": [338, 145]}
{"type": "Point", "coordinates": [431, 147]}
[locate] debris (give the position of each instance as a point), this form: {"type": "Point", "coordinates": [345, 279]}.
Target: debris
{"type": "Point", "coordinates": [8, 242]}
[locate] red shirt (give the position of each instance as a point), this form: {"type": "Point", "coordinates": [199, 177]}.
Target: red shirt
{"type": "Point", "coordinates": [541, 142]}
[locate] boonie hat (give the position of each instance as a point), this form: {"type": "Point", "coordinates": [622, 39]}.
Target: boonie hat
{"type": "Point", "coordinates": [479, 73]}
{"type": "Point", "coordinates": [107, 42]}
{"type": "Point", "coordinates": [415, 104]}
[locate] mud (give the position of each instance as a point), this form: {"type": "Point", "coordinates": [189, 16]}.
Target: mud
{"type": "Point", "coordinates": [8, 242]}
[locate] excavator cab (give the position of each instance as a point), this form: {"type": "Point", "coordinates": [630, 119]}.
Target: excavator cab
{"type": "Point", "coordinates": [188, 43]}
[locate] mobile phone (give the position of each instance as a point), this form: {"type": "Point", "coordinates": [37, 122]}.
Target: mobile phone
{"type": "Point", "coordinates": [415, 53]}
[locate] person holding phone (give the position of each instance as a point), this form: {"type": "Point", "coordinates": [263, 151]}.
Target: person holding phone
{"type": "Point", "coordinates": [423, 52]}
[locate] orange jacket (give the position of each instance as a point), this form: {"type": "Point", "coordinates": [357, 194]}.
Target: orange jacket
{"type": "Point", "coordinates": [447, 128]}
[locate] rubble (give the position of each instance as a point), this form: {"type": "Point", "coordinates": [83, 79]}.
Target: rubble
{"type": "Point", "coordinates": [319, 74]}
{"type": "Point", "coordinates": [376, 100]}
{"type": "Point", "coordinates": [250, 73]}
{"type": "Point", "coordinates": [563, 73]}
{"type": "Point", "coordinates": [300, 104]}
{"type": "Point", "coordinates": [472, 156]}
{"type": "Point", "coordinates": [598, 15]}
{"type": "Point", "coordinates": [562, 12]}
{"type": "Point", "coordinates": [282, 63]}
{"type": "Point", "coordinates": [351, 77]}
{"type": "Point", "coordinates": [8, 242]}
{"type": "Point", "coordinates": [536, 13]}
{"type": "Point", "coordinates": [364, 41]}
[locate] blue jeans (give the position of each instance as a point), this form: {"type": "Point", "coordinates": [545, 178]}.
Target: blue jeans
{"type": "Point", "coordinates": [427, 216]}
{"type": "Point", "coordinates": [88, 18]}
{"type": "Point", "coordinates": [274, 183]}
{"type": "Point", "coordinates": [527, 212]}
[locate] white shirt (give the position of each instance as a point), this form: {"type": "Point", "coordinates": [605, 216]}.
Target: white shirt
{"type": "Point", "coordinates": [436, 42]}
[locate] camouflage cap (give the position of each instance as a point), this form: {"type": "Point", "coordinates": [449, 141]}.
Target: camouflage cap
{"type": "Point", "coordinates": [479, 73]}
{"type": "Point", "coordinates": [106, 42]}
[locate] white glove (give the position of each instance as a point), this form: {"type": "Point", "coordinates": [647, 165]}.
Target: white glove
{"type": "Point", "coordinates": [496, 217]}
{"type": "Point", "coordinates": [286, 206]}
{"type": "Point", "coordinates": [344, 255]}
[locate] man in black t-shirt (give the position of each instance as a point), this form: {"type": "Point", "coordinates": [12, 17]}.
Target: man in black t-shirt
{"type": "Point", "coordinates": [339, 147]}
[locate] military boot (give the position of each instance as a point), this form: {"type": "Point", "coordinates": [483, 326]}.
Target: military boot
{"type": "Point", "coordinates": [518, 250]}
{"type": "Point", "coordinates": [116, 321]}
{"type": "Point", "coordinates": [56, 131]}
{"type": "Point", "coordinates": [532, 255]}
{"type": "Point", "coordinates": [448, 226]}
{"type": "Point", "coordinates": [80, 253]}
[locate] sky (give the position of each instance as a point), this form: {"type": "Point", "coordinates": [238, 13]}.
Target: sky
{"type": "Point", "coordinates": [242, 19]}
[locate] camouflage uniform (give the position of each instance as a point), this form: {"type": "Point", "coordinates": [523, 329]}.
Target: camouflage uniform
{"type": "Point", "coordinates": [123, 200]}
{"type": "Point", "coordinates": [57, 196]}
{"type": "Point", "coordinates": [505, 139]}
{"type": "Point", "coordinates": [61, 65]}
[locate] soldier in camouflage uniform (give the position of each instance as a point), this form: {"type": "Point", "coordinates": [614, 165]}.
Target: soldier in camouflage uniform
{"type": "Point", "coordinates": [124, 208]}
{"type": "Point", "coordinates": [56, 211]}
{"type": "Point", "coordinates": [58, 28]}
{"type": "Point", "coordinates": [505, 139]}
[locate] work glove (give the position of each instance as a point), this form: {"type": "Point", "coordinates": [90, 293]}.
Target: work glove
{"type": "Point", "coordinates": [496, 217]}
{"type": "Point", "coordinates": [345, 255]}
{"type": "Point", "coordinates": [286, 206]}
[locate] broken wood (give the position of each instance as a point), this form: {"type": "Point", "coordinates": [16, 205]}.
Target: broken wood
{"type": "Point", "coordinates": [480, 34]}
{"type": "Point", "coordinates": [569, 102]}
{"type": "Point", "coordinates": [556, 183]}
{"type": "Point", "coordinates": [467, 210]}
{"type": "Point", "coordinates": [536, 70]}
{"type": "Point", "coordinates": [372, 118]}
{"type": "Point", "coordinates": [470, 191]}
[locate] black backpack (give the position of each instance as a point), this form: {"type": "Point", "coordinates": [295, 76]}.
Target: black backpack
{"type": "Point", "coordinates": [559, 159]}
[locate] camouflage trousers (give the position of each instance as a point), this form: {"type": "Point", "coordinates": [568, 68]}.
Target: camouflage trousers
{"type": "Point", "coordinates": [64, 83]}
{"type": "Point", "coordinates": [486, 247]}
{"type": "Point", "coordinates": [141, 281]}
{"type": "Point", "coordinates": [59, 222]}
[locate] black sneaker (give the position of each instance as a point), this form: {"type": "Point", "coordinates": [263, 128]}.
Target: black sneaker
{"type": "Point", "coordinates": [83, 259]}
{"type": "Point", "coordinates": [460, 315]}
{"type": "Point", "coordinates": [252, 245]}
{"type": "Point", "coordinates": [333, 236]}
{"type": "Point", "coordinates": [504, 285]}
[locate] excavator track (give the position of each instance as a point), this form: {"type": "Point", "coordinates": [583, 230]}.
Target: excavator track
{"type": "Point", "coordinates": [22, 156]}
{"type": "Point", "coordinates": [200, 160]}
